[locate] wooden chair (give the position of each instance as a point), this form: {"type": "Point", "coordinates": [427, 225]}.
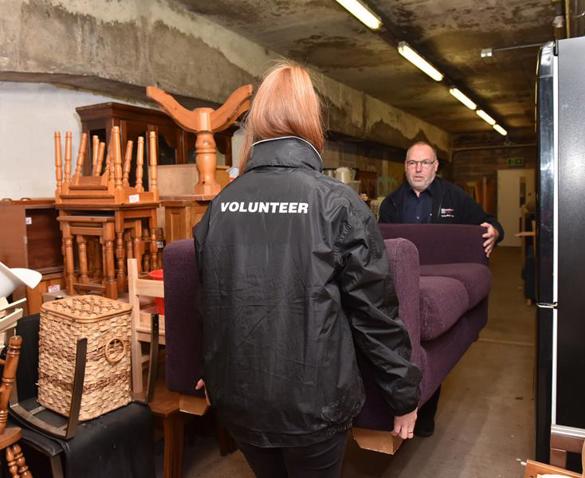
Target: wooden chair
{"type": "Point", "coordinates": [9, 436]}
{"type": "Point", "coordinates": [109, 184]}
{"type": "Point", "coordinates": [164, 404]}
{"type": "Point", "coordinates": [104, 207]}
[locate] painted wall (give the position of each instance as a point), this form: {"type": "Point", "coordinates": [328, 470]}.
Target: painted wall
{"type": "Point", "coordinates": [472, 166]}
{"type": "Point", "coordinates": [29, 115]}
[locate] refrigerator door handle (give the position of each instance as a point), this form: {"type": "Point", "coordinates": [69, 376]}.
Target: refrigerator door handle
{"type": "Point", "coordinates": [547, 305]}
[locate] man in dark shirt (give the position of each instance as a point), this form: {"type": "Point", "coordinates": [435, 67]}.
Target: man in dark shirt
{"type": "Point", "coordinates": [426, 198]}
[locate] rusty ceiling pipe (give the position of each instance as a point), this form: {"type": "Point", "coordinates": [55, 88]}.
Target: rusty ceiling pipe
{"type": "Point", "coordinates": [560, 22]}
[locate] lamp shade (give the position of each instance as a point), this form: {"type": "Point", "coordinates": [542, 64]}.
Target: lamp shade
{"type": "Point", "coordinates": [10, 279]}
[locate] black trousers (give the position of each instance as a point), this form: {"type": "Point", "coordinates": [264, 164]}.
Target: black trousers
{"type": "Point", "coordinates": [320, 460]}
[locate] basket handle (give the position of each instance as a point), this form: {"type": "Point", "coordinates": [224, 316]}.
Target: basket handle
{"type": "Point", "coordinates": [112, 357]}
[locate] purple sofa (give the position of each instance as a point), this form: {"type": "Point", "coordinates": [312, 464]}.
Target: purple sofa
{"type": "Point", "coordinates": [442, 281]}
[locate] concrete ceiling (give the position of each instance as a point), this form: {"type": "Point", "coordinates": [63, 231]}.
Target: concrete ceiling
{"type": "Point", "coordinates": [450, 33]}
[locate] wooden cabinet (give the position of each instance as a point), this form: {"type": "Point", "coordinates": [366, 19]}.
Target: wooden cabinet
{"type": "Point", "coordinates": [181, 215]}
{"type": "Point", "coordinates": [175, 145]}
{"type": "Point", "coordinates": [30, 237]}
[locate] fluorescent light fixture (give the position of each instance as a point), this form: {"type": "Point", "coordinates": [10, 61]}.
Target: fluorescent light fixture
{"type": "Point", "coordinates": [500, 130]}
{"type": "Point", "coordinates": [412, 56]}
{"type": "Point", "coordinates": [463, 98]}
{"type": "Point", "coordinates": [487, 118]}
{"type": "Point", "coordinates": [362, 13]}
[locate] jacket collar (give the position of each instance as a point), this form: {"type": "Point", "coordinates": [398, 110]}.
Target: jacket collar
{"type": "Point", "coordinates": [285, 151]}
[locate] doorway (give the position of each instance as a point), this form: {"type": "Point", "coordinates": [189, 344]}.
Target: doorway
{"type": "Point", "coordinates": [515, 189]}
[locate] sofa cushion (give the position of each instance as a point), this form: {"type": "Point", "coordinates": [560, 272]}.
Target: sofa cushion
{"type": "Point", "coordinates": [475, 277]}
{"type": "Point", "coordinates": [443, 301]}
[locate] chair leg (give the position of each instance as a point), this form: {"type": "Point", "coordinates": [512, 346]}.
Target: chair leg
{"type": "Point", "coordinates": [56, 467]}
{"type": "Point", "coordinates": [173, 426]}
{"type": "Point", "coordinates": [16, 462]}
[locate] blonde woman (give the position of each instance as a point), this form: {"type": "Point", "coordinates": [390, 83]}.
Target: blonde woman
{"type": "Point", "coordinates": [295, 282]}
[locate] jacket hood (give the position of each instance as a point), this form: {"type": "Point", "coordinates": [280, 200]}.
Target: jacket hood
{"type": "Point", "coordinates": [286, 151]}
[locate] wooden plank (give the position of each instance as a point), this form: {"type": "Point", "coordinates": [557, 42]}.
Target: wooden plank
{"type": "Point", "coordinates": [376, 440]}
{"type": "Point", "coordinates": [193, 405]}
{"type": "Point", "coordinates": [150, 288]}
{"type": "Point", "coordinates": [535, 469]}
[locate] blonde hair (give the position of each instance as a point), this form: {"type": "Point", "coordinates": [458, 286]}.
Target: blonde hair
{"type": "Point", "coordinates": [286, 104]}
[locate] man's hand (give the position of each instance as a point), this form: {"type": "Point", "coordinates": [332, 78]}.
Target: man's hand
{"type": "Point", "coordinates": [491, 236]}
{"type": "Point", "coordinates": [404, 425]}
{"type": "Point", "coordinates": [201, 385]}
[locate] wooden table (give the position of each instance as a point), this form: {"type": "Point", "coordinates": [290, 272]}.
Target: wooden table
{"type": "Point", "coordinates": [123, 217]}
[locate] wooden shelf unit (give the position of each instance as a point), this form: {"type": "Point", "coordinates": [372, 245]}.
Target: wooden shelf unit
{"type": "Point", "coordinates": [175, 146]}
{"type": "Point", "coordinates": [30, 237]}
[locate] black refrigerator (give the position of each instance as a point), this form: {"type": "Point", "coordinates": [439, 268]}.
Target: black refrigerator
{"type": "Point", "coordinates": [560, 370]}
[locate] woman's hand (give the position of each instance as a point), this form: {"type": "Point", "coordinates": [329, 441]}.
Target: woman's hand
{"type": "Point", "coordinates": [201, 385]}
{"type": "Point", "coordinates": [404, 425]}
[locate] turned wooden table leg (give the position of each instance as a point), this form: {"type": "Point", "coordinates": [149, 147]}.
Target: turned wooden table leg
{"type": "Point", "coordinates": [69, 265]}
{"type": "Point", "coordinates": [110, 271]}
{"type": "Point", "coordinates": [146, 257]}
{"type": "Point", "coordinates": [82, 250]}
{"type": "Point", "coordinates": [153, 249]}
{"type": "Point", "coordinates": [138, 249]}
{"type": "Point", "coordinates": [129, 246]}
{"type": "Point", "coordinates": [120, 256]}
{"type": "Point", "coordinates": [173, 429]}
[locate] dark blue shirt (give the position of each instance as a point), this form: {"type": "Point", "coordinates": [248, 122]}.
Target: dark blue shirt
{"type": "Point", "coordinates": [417, 209]}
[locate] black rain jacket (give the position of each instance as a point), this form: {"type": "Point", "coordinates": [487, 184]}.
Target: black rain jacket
{"type": "Point", "coordinates": [294, 278]}
{"type": "Point", "coordinates": [451, 205]}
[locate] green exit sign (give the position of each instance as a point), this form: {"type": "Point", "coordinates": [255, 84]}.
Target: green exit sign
{"type": "Point", "coordinates": [516, 162]}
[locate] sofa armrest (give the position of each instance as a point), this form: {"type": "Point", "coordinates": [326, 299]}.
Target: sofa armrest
{"type": "Point", "coordinates": [441, 243]}
{"type": "Point", "coordinates": [183, 325]}
{"type": "Point", "coordinates": [405, 272]}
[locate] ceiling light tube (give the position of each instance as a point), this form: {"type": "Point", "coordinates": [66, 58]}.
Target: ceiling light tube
{"type": "Point", "coordinates": [362, 13]}
{"type": "Point", "coordinates": [487, 118]}
{"type": "Point", "coordinates": [407, 52]}
{"type": "Point", "coordinates": [463, 98]}
{"type": "Point", "coordinates": [500, 130]}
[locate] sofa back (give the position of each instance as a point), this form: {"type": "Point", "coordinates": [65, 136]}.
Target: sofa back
{"type": "Point", "coordinates": [441, 243]}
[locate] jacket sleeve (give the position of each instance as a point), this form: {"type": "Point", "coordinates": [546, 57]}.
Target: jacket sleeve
{"type": "Point", "coordinates": [474, 214]}
{"type": "Point", "coordinates": [370, 303]}
{"type": "Point", "coordinates": [199, 236]}
{"type": "Point", "coordinates": [386, 211]}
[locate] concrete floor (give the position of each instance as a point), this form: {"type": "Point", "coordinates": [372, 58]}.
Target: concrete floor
{"type": "Point", "coordinates": [485, 423]}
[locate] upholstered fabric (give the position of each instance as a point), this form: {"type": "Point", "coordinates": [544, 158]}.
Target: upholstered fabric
{"type": "Point", "coordinates": [404, 267]}
{"type": "Point", "coordinates": [441, 243]}
{"type": "Point", "coordinates": [475, 277]}
{"type": "Point", "coordinates": [412, 248]}
{"type": "Point", "coordinates": [459, 320]}
{"type": "Point", "coordinates": [183, 332]}
{"type": "Point", "coordinates": [442, 303]}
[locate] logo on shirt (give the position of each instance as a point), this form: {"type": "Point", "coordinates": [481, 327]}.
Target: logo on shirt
{"type": "Point", "coordinates": [447, 212]}
{"type": "Point", "coordinates": [258, 207]}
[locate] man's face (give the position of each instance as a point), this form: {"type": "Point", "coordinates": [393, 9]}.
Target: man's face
{"type": "Point", "coordinates": [420, 167]}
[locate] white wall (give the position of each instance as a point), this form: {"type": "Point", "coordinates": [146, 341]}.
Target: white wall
{"type": "Point", "coordinates": [29, 115]}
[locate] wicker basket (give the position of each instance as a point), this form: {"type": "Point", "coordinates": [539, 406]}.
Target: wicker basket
{"type": "Point", "coordinates": [106, 324]}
